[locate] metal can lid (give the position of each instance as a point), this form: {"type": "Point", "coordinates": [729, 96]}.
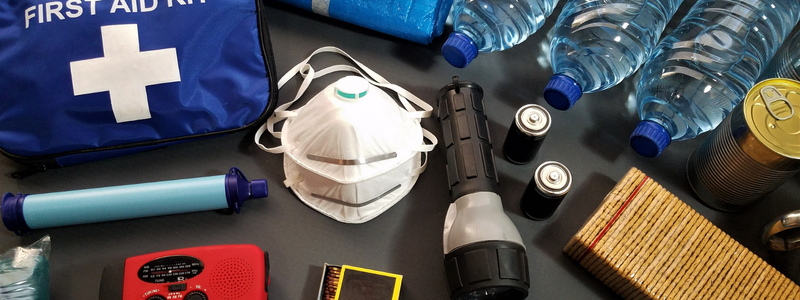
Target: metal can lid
{"type": "Point", "coordinates": [772, 111]}
{"type": "Point", "coordinates": [533, 120]}
{"type": "Point", "coordinates": [553, 179]}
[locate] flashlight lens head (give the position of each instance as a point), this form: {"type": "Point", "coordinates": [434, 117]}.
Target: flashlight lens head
{"type": "Point", "coordinates": [495, 293]}
{"type": "Point", "coordinates": [491, 270]}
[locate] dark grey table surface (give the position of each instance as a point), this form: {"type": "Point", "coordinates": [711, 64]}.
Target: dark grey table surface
{"type": "Point", "coordinates": [591, 139]}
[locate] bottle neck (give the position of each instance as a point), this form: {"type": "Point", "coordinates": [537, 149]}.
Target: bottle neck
{"type": "Point", "coordinates": [665, 122]}
{"type": "Point", "coordinates": [474, 34]}
{"type": "Point", "coordinates": [581, 80]}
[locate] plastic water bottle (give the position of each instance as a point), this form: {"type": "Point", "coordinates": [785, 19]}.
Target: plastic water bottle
{"type": "Point", "coordinates": [786, 63]}
{"type": "Point", "coordinates": [598, 43]}
{"type": "Point", "coordinates": [492, 25]}
{"type": "Point", "coordinates": [705, 67]}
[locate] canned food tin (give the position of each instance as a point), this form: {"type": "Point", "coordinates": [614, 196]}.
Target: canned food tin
{"type": "Point", "coordinates": [526, 134]}
{"type": "Point", "coordinates": [753, 151]}
{"type": "Point", "coordinates": [550, 184]}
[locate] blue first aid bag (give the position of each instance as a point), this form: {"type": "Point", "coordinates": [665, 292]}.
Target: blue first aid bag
{"type": "Point", "coordinates": [86, 79]}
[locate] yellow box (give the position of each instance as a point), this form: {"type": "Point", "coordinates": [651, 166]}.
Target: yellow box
{"type": "Point", "coordinates": [354, 283]}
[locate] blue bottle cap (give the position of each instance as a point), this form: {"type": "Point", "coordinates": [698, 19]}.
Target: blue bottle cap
{"type": "Point", "coordinates": [13, 218]}
{"type": "Point", "coordinates": [238, 189]}
{"type": "Point", "coordinates": [650, 138]}
{"type": "Point", "coordinates": [562, 92]}
{"type": "Point", "coordinates": [459, 50]}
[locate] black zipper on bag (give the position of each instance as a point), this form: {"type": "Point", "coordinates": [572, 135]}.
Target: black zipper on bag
{"type": "Point", "coordinates": [41, 163]}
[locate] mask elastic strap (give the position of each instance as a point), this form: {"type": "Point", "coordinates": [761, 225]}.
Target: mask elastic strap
{"type": "Point", "coordinates": [425, 148]}
{"type": "Point", "coordinates": [369, 75]}
{"type": "Point", "coordinates": [269, 126]}
{"type": "Point", "coordinates": [402, 94]}
{"type": "Point", "coordinates": [417, 171]}
{"type": "Point", "coordinates": [281, 112]}
{"type": "Point", "coordinates": [307, 72]}
{"type": "Point", "coordinates": [260, 132]}
{"type": "Point", "coordinates": [376, 79]}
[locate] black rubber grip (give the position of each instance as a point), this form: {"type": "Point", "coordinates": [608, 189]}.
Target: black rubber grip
{"type": "Point", "coordinates": [470, 160]}
{"type": "Point", "coordinates": [499, 266]}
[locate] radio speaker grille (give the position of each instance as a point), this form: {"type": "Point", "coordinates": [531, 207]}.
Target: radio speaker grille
{"type": "Point", "coordinates": [232, 278]}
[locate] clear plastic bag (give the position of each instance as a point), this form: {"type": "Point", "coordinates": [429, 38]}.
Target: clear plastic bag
{"type": "Point", "coordinates": [25, 272]}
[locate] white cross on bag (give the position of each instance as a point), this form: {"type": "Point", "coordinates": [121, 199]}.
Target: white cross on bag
{"type": "Point", "coordinates": [125, 72]}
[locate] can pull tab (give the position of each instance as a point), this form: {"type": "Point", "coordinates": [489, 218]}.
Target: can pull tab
{"type": "Point", "coordinates": [770, 94]}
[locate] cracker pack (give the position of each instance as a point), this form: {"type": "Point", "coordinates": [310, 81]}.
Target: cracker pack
{"type": "Point", "coordinates": [645, 243]}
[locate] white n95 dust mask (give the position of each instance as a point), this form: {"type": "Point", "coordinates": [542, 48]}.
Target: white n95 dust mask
{"type": "Point", "coordinates": [351, 152]}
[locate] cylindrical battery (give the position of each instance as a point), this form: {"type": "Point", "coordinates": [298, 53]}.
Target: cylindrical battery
{"type": "Point", "coordinates": [753, 151]}
{"type": "Point", "coordinates": [550, 184]}
{"type": "Point", "coordinates": [526, 134]}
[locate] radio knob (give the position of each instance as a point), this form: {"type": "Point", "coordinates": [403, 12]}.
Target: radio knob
{"type": "Point", "coordinates": [157, 297]}
{"type": "Point", "coordinates": [196, 295]}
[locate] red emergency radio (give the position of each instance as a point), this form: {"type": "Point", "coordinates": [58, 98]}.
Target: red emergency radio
{"type": "Point", "coordinates": [225, 272]}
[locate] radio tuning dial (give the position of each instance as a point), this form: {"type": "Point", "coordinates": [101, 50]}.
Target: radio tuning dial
{"type": "Point", "coordinates": [157, 297]}
{"type": "Point", "coordinates": [196, 295]}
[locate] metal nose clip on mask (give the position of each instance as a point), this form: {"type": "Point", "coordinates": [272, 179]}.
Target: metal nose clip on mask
{"type": "Point", "coordinates": [484, 257]}
{"type": "Point", "coordinates": [351, 152]}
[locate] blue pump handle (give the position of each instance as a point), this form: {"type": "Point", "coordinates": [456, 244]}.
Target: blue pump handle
{"type": "Point", "coordinates": [238, 189]}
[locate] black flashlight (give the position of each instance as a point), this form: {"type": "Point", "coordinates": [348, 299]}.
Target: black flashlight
{"type": "Point", "coordinates": [484, 257]}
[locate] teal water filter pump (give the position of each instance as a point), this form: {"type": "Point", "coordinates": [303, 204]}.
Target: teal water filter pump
{"type": "Point", "coordinates": [21, 213]}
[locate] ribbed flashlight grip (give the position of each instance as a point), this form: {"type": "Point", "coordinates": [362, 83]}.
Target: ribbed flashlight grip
{"type": "Point", "coordinates": [470, 161]}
